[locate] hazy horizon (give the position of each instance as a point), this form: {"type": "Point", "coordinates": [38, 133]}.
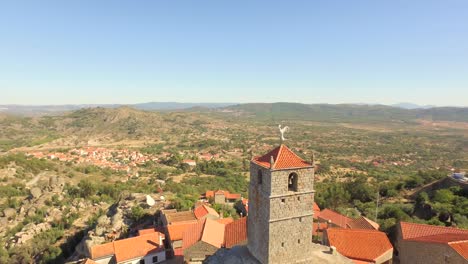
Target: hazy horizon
{"type": "Point", "coordinates": [87, 52]}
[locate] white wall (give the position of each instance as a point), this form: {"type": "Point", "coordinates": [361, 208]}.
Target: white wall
{"type": "Point", "coordinates": [148, 258]}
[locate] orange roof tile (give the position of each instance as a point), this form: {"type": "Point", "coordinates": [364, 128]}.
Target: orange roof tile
{"type": "Point", "coordinates": [359, 244]}
{"type": "Point", "coordinates": [138, 246]}
{"type": "Point", "coordinates": [193, 233]}
{"type": "Point", "coordinates": [461, 248]}
{"type": "Point", "coordinates": [235, 232]}
{"type": "Point", "coordinates": [103, 250]}
{"type": "Point", "coordinates": [203, 210]}
{"type": "Point", "coordinates": [209, 194]}
{"type": "Point", "coordinates": [176, 231]}
{"type": "Point", "coordinates": [213, 233]}
{"type": "Point", "coordinates": [442, 238]}
{"type": "Point", "coordinates": [129, 248]}
{"type": "Point", "coordinates": [336, 218]}
{"type": "Point", "coordinates": [363, 223]}
{"type": "Point", "coordinates": [283, 158]}
{"type": "Point", "coordinates": [232, 196]}
{"type": "Point", "coordinates": [413, 230]}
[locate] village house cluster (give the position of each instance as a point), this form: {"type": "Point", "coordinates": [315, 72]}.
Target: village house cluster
{"type": "Point", "coordinates": [116, 159]}
{"type": "Point", "coordinates": [280, 224]}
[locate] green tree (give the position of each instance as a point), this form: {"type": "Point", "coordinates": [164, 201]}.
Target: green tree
{"type": "Point", "coordinates": [444, 196]}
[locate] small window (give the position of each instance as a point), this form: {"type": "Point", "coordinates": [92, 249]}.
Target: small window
{"type": "Point", "coordinates": [300, 219]}
{"type": "Point", "coordinates": [283, 200]}
{"type": "Point", "coordinates": [292, 182]}
{"type": "Point", "coordinates": [142, 261]}
{"type": "Point", "coordinates": [282, 244]}
{"type": "Point", "coordinates": [298, 241]}
{"type": "Point", "coordinates": [155, 259]}
{"type": "Point", "coordinates": [260, 177]}
{"type": "Point", "coordinates": [298, 198]}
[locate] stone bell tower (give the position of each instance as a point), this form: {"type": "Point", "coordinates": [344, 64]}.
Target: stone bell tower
{"type": "Point", "coordinates": [281, 197]}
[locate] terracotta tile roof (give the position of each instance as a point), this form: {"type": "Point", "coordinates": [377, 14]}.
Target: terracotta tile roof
{"type": "Point", "coordinates": [103, 250]}
{"type": "Point", "coordinates": [176, 231]}
{"type": "Point", "coordinates": [363, 223]}
{"type": "Point", "coordinates": [283, 158]}
{"type": "Point", "coordinates": [336, 218]}
{"type": "Point", "coordinates": [461, 248]}
{"type": "Point", "coordinates": [213, 233]}
{"type": "Point", "coordinates": [413, 230]}
{"type": "Point", "coordinates": [236, 232]}
{"type": "Point", "coordinates": [359, 244]}
{"type": "Point", "coordinates": [225, 221]}
{"type": "Point", "coordinates": [129, 248]}
{"type": "Point", "coordinates": [203, 210]}
{"type": "Point", "coordinates": [184, 216]}
{"type": "Point", "coordinates": [209, 194]}
{"type": "Point", "coordinates": [453, 237]}
{"type": "Point", "coordinates": [139, 246]}
{"type": "Point", "coordinates": [442, 238]}
{"type": "Point", "coordinates": [193, 233]}
{"type": "Point", "coordinates": [233, 196]}
{"type": "Point", "coordinates": [227, 194]}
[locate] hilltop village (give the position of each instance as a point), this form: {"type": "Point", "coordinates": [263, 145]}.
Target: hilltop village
{"type": "Point", "coordinates": [215, 189]}
{"type": "Point", "coordinates": [258, 233]}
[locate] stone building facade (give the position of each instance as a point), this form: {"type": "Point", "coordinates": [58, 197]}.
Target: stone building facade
{"type": "Point", "coordinates": [281, 197]}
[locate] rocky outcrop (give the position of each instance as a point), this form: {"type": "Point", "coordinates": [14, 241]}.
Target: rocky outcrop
{"type": "Point", "coordinates": [36, 192]}
{"type": "Point", "coordinates": [9, 213]}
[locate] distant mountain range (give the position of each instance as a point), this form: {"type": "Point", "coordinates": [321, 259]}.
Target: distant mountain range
{"type": "Point", "coordinates": [297, 111]}
{"type": "Point", "coordinates": [55, 109]}
{"type": "Point", "coordinates": [412, 106]}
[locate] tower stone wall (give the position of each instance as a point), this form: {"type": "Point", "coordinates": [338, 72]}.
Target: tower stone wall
{"type": "Point", "coordinates": [280, 219]}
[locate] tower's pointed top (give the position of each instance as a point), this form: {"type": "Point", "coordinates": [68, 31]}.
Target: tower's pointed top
{"type": "Point", "coordinates": [283, 158]}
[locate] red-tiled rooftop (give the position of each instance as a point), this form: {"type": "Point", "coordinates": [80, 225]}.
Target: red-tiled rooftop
{"type": "Point", "coordinates": [235, 232]}
{"type": "Point", "coordinates": [176, 231]}
{"type": "Point", "coordinates": [336, 218]}
{"type": "Point", "coordinates": [283, 158]}
{"type": "Point", "coordinates": [129, 248]}
{"type": "Point", "coordinates": [461, 248]}
{"type": "Point", "coordinates": [139, 246]}
{"type": "Point", "coordinates": [227, 194]}
{"type": "Point", "coordinates": [363, 223]}
{"type": "Point", "coordinates": [413, 230]}
{"type": "Point", "coordinates": [203, 210]}
{"type": "Point", "coordinates": [359, 244]}
{"type": "Point", "coordinates": [103, 250]}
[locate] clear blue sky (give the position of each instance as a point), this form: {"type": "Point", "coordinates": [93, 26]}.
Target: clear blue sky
{"type": "Point", "coordinates": [57, 52]}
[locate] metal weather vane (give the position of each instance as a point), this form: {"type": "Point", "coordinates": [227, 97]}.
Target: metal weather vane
{"type": "Point", "coordinates": [282, 131]}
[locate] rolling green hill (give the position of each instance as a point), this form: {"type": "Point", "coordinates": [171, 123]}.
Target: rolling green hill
{"type": "Point", "coordinates": [347, 112]}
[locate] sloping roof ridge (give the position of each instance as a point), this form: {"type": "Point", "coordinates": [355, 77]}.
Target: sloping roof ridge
{"type": "Point", "coordinates": [354, 229]}
{"type": "Point", "coordinates": [297, 156]}
{"type": "Point", "coordinates": [458, 241]}
{"type": "Point", "coordinates": [280, 150]}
